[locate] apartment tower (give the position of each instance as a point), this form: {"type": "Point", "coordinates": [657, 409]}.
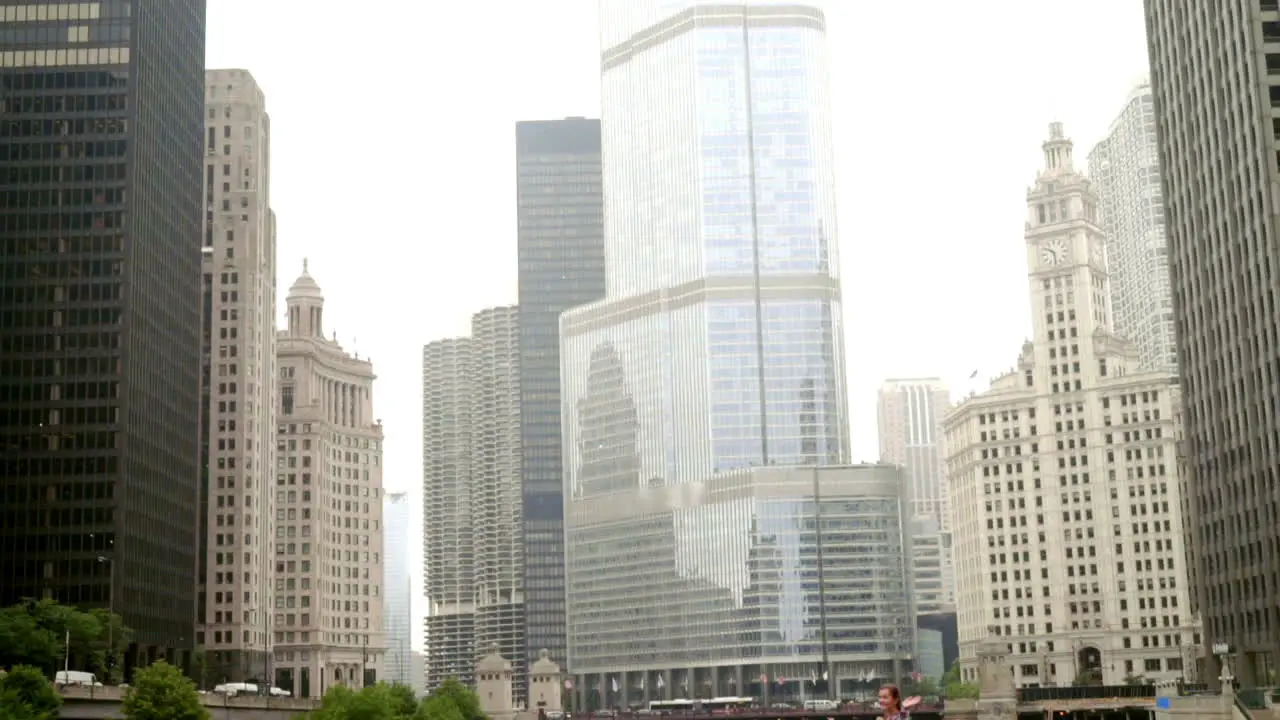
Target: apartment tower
{"type": "Point", "coordinates": [448, 547]}
{"type": "Point", "coordinates": [560, 226]}
{"type": "Point", "coordinates": [397, 619]}
{"type": "Point", "coordinates": [101, 111]}
{"type": "Point", "coordinates": [1218, 134]}
{"type": "Point", "coordinates": [1068, 532]}
{"type": "Point", "coordinates": [1125, 168]}
{"type": "Point", "coordinates": [238, 446]}
{"type": "Point", "coordinates": [487, 499]}
{"type": "Point", "coordinates": [327, 627]}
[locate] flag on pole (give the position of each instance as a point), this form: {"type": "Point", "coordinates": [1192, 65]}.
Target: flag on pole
{"type": "Point", "coordinates": [660, 682]}
{"type": "Point", "coordinates": [642, 682]}
{"type": "Point", "coordinates": [615, 684]}
{"type": "Point", "coordinates": [824, 676]}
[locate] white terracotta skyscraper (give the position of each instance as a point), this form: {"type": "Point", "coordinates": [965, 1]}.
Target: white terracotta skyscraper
{"type": "Point", "coordinates": [236, 592]}
{"type": "Point", "coordinates": [327, 624]}
{"type": "Point", "coordinates": [1067, 522]}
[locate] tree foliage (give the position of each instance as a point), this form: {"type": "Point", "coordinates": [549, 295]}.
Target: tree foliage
{"type": "Point", "coordinates": [35, 633]}
{"type": "Point", "coordinates": [25, 694]}
{"type": "Point", "coordinates": [461, 697]}
{"type": "Point", "coordinates": [162, 692]}
{"type": "Point", "coordinates": [956, 689]}
{"type": "Point", "coordinates": [451, 701]}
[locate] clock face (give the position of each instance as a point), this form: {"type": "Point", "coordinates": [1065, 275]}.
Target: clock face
{"type": "Point", "coordinates": [1054, 253]}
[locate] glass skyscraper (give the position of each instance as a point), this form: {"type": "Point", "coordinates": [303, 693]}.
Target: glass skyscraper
{"type": "Point", "coordinates": [101, 119]}
{"type": "Point", "coordinates": [718, 348]}
{"type": "Point", "coordinates": [561, 265]}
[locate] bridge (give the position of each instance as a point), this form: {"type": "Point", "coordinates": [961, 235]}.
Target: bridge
{"type": "Point", "coordinates": [103, 703]}
{"type": "Point", "coordinates": [1098, 701]}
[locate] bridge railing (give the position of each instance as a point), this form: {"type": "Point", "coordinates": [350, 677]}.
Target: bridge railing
{"type": "Point", "coordinates": [1086, 692]}
{"type": "Point", "coordinates": [845, 710]}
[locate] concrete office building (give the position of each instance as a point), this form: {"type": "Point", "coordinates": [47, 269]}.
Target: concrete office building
{"type": "Point", "coordinates": [1067, 530]}
{"type": "Point", "coordinates": [560, 226]}
{"type": "Point", "coordinates": [932, 574]}
{"type": "Point", "coordinates": [1125, 169]}
{"type": "Point", "coordinates": [909, 415]}
{"type": "Point", "coordinates": [1219, 136]}
{"type": "Point", "coordinates": [718, 346]}
{"type": "Point", "coordinates": [472, 497]}
{"type": "Point", "coordinates": [100, 195]}
{"type": "Point", "coordinates": [238, 446]}
{"type": "Point", "coordinates": [399, 594]}
{"type": "Point", "coordinates": [700, 589]}
{"type": "Point", "coordinates": [329, 565]}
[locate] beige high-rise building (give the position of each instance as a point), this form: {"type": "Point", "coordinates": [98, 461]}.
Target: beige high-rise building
{"type": "Point", "coordinates": [909, 415]}
{"type": "Point", "coordinates": [328, 625]}
{"type": "Point", "coordinates": [235, 595]}
{"type": "Point", "coordinates": [1066, 524]}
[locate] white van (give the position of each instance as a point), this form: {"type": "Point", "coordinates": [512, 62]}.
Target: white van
{"type": "Point", "coordinates": [234, 689]}
{"type": "Point", "coordinates": [76, 677]}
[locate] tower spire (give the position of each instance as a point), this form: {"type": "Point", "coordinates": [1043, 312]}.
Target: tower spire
{"type": "Point", "coordinates": [1057, 151]}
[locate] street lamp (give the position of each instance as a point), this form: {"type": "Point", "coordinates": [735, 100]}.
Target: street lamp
{"type": "Point", "coordinates": [111, 612]}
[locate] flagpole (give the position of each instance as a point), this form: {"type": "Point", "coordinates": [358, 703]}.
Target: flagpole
{"type": "Point", "coordinates": [66, 660]}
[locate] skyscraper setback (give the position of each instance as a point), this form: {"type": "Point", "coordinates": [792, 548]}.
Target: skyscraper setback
{"type": "Point", "coordinates": [1220, 157]}
{"type": "Point", "coordinates": [101, 111]}
{"type": "Point", "coordinates": [560, 215]}
{"type": "Point", "coordinates": [717, 347]}
{"type": "Point", "coordinates": [238, 445]}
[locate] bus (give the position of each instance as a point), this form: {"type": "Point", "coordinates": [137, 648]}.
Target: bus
{"type": "Point", "coordinates": [719, 704]}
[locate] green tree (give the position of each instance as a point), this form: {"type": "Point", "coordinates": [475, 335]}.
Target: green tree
{"type": "Point", "coordinates": [376, 702]}
{"type": "Point", "coordinates": [438, 707]}
{"type": "Point", "coordinates": [36, 633]}
{"type": "Point", "coordinates": [25, 694]}
{"type": "Point", "coordinates": [462, 697]}
{"type": "Point", "coordinates": [109, 646]}
{"type": "Point", "coordinates": [953, 688]}
{"type": "Point", "coordinates": [162, 692]}
{"type": "Point", "coordinates": [404, 702]}
{"type": "Point", "coordinates": [200, 668]}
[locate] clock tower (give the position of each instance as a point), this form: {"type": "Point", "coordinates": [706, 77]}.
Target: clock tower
{"type": "Point", "coordinates": [1068, 284]}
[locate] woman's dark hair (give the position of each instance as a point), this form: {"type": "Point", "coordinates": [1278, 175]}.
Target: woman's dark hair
{"type": "Point", "coordinates": [894, 693]}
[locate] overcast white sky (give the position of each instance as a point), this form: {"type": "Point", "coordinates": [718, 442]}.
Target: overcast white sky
{"type": "Point", "coordinates": [394, 152]}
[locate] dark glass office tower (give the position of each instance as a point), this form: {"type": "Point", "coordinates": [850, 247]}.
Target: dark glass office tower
{"type": "Point", "coordinates": [561, 254]}
{"type": "Point", "coordinates": [1215, 80]}
{"type": "Point", "coordinates": [101, 117]}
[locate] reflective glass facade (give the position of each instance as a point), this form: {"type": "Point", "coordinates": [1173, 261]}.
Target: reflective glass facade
{"type": "Point", "coordinates": [725, 575]}
{"type": "Point", "coordinates": [718, 346]}
{"type": "Point", "coordinates": [561, 266]}
{"type": "Point", "coordinates": [101, 117]}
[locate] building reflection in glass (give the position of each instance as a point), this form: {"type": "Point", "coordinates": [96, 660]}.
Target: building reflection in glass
{"type": "Point", "coordinates": [722, 575]}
